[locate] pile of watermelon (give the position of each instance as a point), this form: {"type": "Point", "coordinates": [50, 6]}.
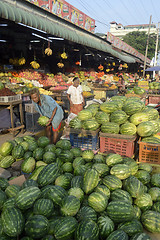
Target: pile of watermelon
{"type": "Point", "coordinates": [120, 115]}
{"type": "Point", "coordinates": [75, 194]}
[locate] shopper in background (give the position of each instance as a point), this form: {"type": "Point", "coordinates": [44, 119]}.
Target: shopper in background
{"type": "Point", "coordinates": [75, 96]}
{"type": "Point", "coordinates": [47, 106]}
{"type": "Point", "coordinates": [121, 84]}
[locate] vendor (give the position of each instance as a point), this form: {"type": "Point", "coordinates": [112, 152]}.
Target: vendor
{"type": "Point", "coordinates": [47, 106]}
{"type": "Point", "coordinates": [75, 97]}
{"type": "Point", "coordinates": [121, 84]}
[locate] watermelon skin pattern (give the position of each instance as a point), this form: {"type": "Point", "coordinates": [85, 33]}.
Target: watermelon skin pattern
{"type": "Point", "coordinates": [13, 221]}
{"type": "Point", "coordinates": [87, 230]}
{"type": "Point", "coordinates": [90, 180]}
{"type": "Point", "coordinates": [151, 221]}
{"type": "Point", "coordinates": [70, 206]}
{"type": "Point", "coordinates": [27, 196]}
{"type": "Point", "coordinates": [118, 235]}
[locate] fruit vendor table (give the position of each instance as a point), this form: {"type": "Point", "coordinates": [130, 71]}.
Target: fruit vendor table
{"type": "Point", "coordinates": [99, 92]}
{"type": "Point", "coordinates": [11, 105]}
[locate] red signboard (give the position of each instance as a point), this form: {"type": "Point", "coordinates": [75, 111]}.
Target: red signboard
{"type": "Point", "coordinates": [66, 11]}
{"type": "Point", "coordinates": [118, 43]}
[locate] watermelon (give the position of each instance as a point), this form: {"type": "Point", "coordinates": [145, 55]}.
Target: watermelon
{"type": "Point", "coordinates": [50, 148]}
{"type": "Point", "coordinates": [29, 183]}
{"type": "Point", "coordinates": [38, 153]}
{"type": "Point", "coordinates": [151, 221]}
{"type": "Point", "coordinates": [84, 115]}
{"type": "Point", "coordinates": [102, 189]}
{"type": "Point", "coordinates": [67, 167]}
{"type": "Point", "coordinates": [3, 183]}
{"type": "Point", "coordinates": [145, 129]}
{"type": "Point", "coordinates": [56, 194]}
{"type": "Point", "coordinates": [48, 237]}
{"type": "Point", "coordinates": [37, 226]}
{"type": "Point", "coordinates": [25, 145]}
{"type": "Point", "coordinates": [144, 201]}
{"type": "Point", "coordinates": [86, 213]}
{"type": "Point", "coordinates": [134, 186]}
{"type": "Point", "coordinates": [119, 117]}
{"type": "Point", "coordinates": [26, 197]}
{"type": "Point", "coordinates": [49, 157]}
{"type": "Point", "coordinates": [141, 236]}
{"type": "Point", "coordinates": [99, 158]}
{"type": "Point", "coordinates": [151, 139]}
{"type": "Point", "coordinates": [88, 155]}
{"type": "Point", "coordinates": [152, 113]}
{"type": "Point", "coordinates": [43, 120]}
{"type": "Point", "coordinates": [12, 190]}
{"type": "Point", "coordinates": [133, 107]}
{"type": "Point", "coordinates": [112, 182]}
{"type": "Point", "coordinates": [36, 172]}
{"type": "Point", "coordinates": [77, 181]}
{"type": "Point", "coordinates": [97, 201]}
{"type": "Point", "coordinates": [78, 161]}
{"type": "Point", "coordinates": [155, 207]}
{"type": "Point", "coordinates": [6, 149]}
{"type": "Point", "coordinates": [63, 181]}
{"type": "Point", "coordinates": [113, 159]}
{"type": "Point", "coordinates": [102, 117]}
{"type": "Point", "coordinates": [65, 228]}
{"type": "Point", "coordinates": [77, 152]}
{"type": "Point", "coordinates": [122, 171]}
{"type": "Point", "coordinates": [28, 165]}
{"type": "Point", "coordinates": [117, 97]}
{"type": "Point", "coordinates": [66, 156]}
{"type": "Point", "coordinates": [43, 207]}
{"type": "Point", "coordinates": [132, 227]}
{"type": "Point", "coordinates": [138, 90]}
{"type": "Point", "coordinates": [75, 123]}
{"type": "Point", "coordinates": [80, 170]}
{"type": "Point", "coordinates": [18, 152]}
{"type": "Point", "coordinates": [109, 107]}
{"type": "Point", "coordinates": [32, 145]}
{"type": "Point", "coordinates": [27, 155]}
{"type": "Point", "coordinates": [63, 144]}
{"type": "Point", "coordinates": [6, 162]}
{"type": "Point", "coordinates": [110, 127]}
{"type": "Point", "coordinates": [137, 118]}
{"type": "Point", "coordinates": [48, 174]}
{"type": "Point", "coordinates": [143, 176]}
{"type": "Point", "coordinates": [133, 166]}
{"type": "Point", "coordinates": [9, 203]}
{"type": "Point", "coordinates": [119, 103]}
{"type": "Point", "coordinates": [77, 192]}
{"type": "Point", "coordinates": [118, 235]}
{"type": "Point", "coordinates": [13, 222]}
{"type": "Point", "coordinates": [43, 141]}
{"type": "Point", "coordinates": [40, 163]}
{"type": "Point", "coordinates": [3, 198]}
{"type": "Point", "coordinates": [121, 195]}
{"type": "Point", "coordinates": [120, 211]}
{"type": "Point", "coordinates": [88, 230]}
{"type": "Point", "coordinates": [155, 179]}
{"type": "Point", "coordinates": [145, 166]}
{"type": "Point", "coordinates": [137, 212]}
{"type": "Point", "coordinates": [155, 193]}
{"type": "Point", "coordinates": [19, 139]}
{"type": "Point", "coordinates": [90, 124]}
{"type": "Point", "coordinates": [70, 206]}
{"type": "Point", "coordinates": [90, 180]}
{"type": "Point", "coordinates": [101, 168]}
{"type": "Point", "coordinates": [106, 226]}
{"type": "Point", "coordinates": [128, 129]}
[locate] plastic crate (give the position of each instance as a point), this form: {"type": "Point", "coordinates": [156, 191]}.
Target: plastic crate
{"type": "Point", "coordinates": [111, 93]}
{"type": "Point", "coordinates": [90, 141]}
{"type": "Point", "coordinates": [117, 143]}
{"type": "Point", "coordinates": [154, 99]}
{"type": "Point", "coordinates": [149, 152]}
{"type": "Point", "coordinates": [31, 122]}
{"type": "Point", "coordinates": [29, 107]}
{"type": "Point", "coordinates": [11, 98]}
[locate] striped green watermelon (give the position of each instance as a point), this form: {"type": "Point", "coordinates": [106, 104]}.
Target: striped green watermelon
{"type": "Point", "coordinates": [56, 194]}
{"type": "Point", "coordinates": [3, 198]}
{"type": "Point", "coordinates": [63, 181]}
{"type": "Point", "coordinates": [12, 190]}
{"type": "Point", "coordinates": [90, 124]}
{"type": "Point", "coordinates": [139, 117]}
{"type": "Point", "coordinates": [13, 221]}
{"type": "Point", "coordinates": [3, 183]}
{"type": "Point", "coordinates": [36, 172]}
{"type": "Point", "coordinates": [49, 157]}
{"type": "Point", "coordinates": [86, 213]}
{"type": "Point", "coordinates": [43, 120]}
{"type": "Point", "coordinates": [121, 195]}
{"type": "Point", "coordinates": [119, 98]}
{"type": "Point", "coordinates": [25, 145]}
{"type": "Point", "coordinates": [6, 162]}
{"type": "Point", "coordinates": [27, 155]}
{"type": "Point", "coordinates": [155, 207]}
{"type": "Point", "coordinates": [132, 227]}
{"type": "Point", "coordinates": [27, 196]}
{"type": "Point", "coordinates": [134, 186]}
{"type": "Point", "coordinates": [101, 168]}
{"type": "Point", "coordinates": [110, 127]}
{"type": "Point", "coordinates": [144, 201]}
{"type": "Point", "coordinates": [6, 149]}
{"type": "Point", "coordinates": [77, 152]}
{"type": "Point", "coordinates": [119, 117]}
{"type": "Point", "coordinates": [18, 152]}
{"type": "Point", "coordinates": [84, 115]}
{"type": "Point", "coordinates": [109, 107]}
{"type": "Point", "coordinates": [28, 165]}
{"type": "Point", "coordinates": [77, 181]}
{"type": "Point", "coordinates": [66, 156]}
{"type": "Point", "coordinates": [75, 123]}
{"type": "Point", "coordinates": [67, 167]}
{"type": "Point", "coordinates": [113, 159]}
{"type": "Point", "coordinates": [102, 117]}
{"type": "Point", "coordinates": [50, 148]}
{"type": "Point", "coordinates": [70, 206]}
{"type": "Point", "coordinates": [152, 113]}
{"type": "Point", "coordinates": [90, 180]}
{"type": "Point", "coordinates": [120, 211]}
{"type": "Point", "coordinates": [106, 226]}
{"type": "Point", "coordinates": [119, 103]}
{"type": "Point", "coordinates": [137, 212]}
{"type": "Point", "coordinates": [155, 180]}
{"type": "Point", "coordinates": [155, 193]}
{"type": "Point", "coordinates": [77, 192]}
{"type": "Point", "coordinates": [78, 161]}
{"type": "Point", "coordinates": [118, 235]}
{"type": "Point", "coordinates": [99, 158]}
{"type": "Point", "coordinates": [38, 153]}
{"type": "Point", "coordinates": [9, 203]}
{"type": "Point", "coordinates": [53, 222]}
{"type": "Point", "coordinates": [88, 230]}
{"type": "Point", "coordinates": [65, 228]}
{"type": "Point", "coordinates": [133, 107]}
{"type": "Point", "coordinates": [151, 221]}
{"type": "Point", "coordinates": [48, 174]}
{"type": "Point", "coordinates": [29, 183]}
{"type": "Point", "coordinates": [32, 145]}
{"type": "Point", "coordinates": [141, 236]}
{"type": "Point", "coordinates": [37, 226]}
{"type": "Point", "coordinates": [43, 141]}
{"type": "Point", "coordinates": [146, 129]}
{"type": "Point", "coordinates": [112, 182]}
{"type": "Point", "coordinates": [143, 176]}
{"type": "Point", "coordinates": [97, 201]}
{"type": "Point", "coordinates": [128, 129]}
{"type": "Point", "coordinates": [102, 189]}
{"type": "Point", "coordinates": [43, 207]}
{"type": "Point", "coordinates": [88, 155]}
{"type": "Point", "coordinates": [63, 144]}
{"type": "Point", "coordinates": [122, 171]}
{"type": "Point", "coordinates": [133, 166]}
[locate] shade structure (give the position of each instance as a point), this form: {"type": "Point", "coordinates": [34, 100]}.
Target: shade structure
{"type": "Point", "coordinates": [155, 68]}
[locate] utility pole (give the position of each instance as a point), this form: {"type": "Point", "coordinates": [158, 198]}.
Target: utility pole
{"type": "Point", "coordinates": [147, 47]}
{"type": "Point", "coordinates": [155, 56]}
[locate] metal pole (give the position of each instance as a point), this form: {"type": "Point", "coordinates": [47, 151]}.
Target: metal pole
{"type": "Point", "coordinates": [155, 56]}
{"type": "Point", "coordinates": [147, 47]}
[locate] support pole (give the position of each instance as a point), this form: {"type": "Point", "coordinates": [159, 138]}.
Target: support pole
{"type": "Point", "coordinates": [147, 47]}
{"type": "Point", "coordinates": [155, 57]}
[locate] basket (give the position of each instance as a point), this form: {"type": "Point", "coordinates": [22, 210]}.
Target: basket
{"type": "Point", "coordinates": [90, 139]}
{"type": "Point", "coordinates": [117, 143]}
{"type": "Point", "coordinates": [154, 99]}
{"type": "Point", "coordinates": [98, 94]}
{"type": "Point", "coordinates": [29, 107]}
{"type": "Point", "coordinates": [31, 122]}
{"type": "Point", "coordinates": [11, 98]}
{"type": "Point", "coordinates": [149, 152]}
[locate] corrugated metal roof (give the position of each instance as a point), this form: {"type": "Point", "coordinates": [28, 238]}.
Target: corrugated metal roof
{"type": "Point", "coordinates": [59, 28]}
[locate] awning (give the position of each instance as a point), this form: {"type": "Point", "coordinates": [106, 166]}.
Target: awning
{"type": "Point", "coordinates": [60, 28]}
{"type": "Point", "coordinates": [154, 68]}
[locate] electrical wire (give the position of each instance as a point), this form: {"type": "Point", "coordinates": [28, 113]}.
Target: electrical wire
{"type": "Point", "coordinates": [144, 8]}
{"type": "Point", "coordinates": [137, 9]}
{"type": "Point", "coordinates": [154, 10]}
{"type": "Point", "coordinates": [128, 10]}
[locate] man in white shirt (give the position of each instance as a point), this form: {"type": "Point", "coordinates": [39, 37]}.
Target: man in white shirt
{"type": "Point", "coordinates": [75, 97]}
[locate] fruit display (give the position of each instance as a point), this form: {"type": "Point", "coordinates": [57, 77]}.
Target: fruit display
{"type": "Point", "coordinates": [48, 51]}
{"type": "Point", "coordinates": [77, 194]}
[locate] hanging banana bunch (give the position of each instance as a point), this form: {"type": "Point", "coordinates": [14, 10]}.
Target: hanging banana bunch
{"type": "Point", "coordinates": [64, 55]}
{"type": "Point", "coordinates": [22, 61]}
{"type": "Point", "coordinates": [60, 65]}
{"type": "Point", "coordinates": [35, 65]}
{"type": "Point", "coordinates": [48, 50]}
